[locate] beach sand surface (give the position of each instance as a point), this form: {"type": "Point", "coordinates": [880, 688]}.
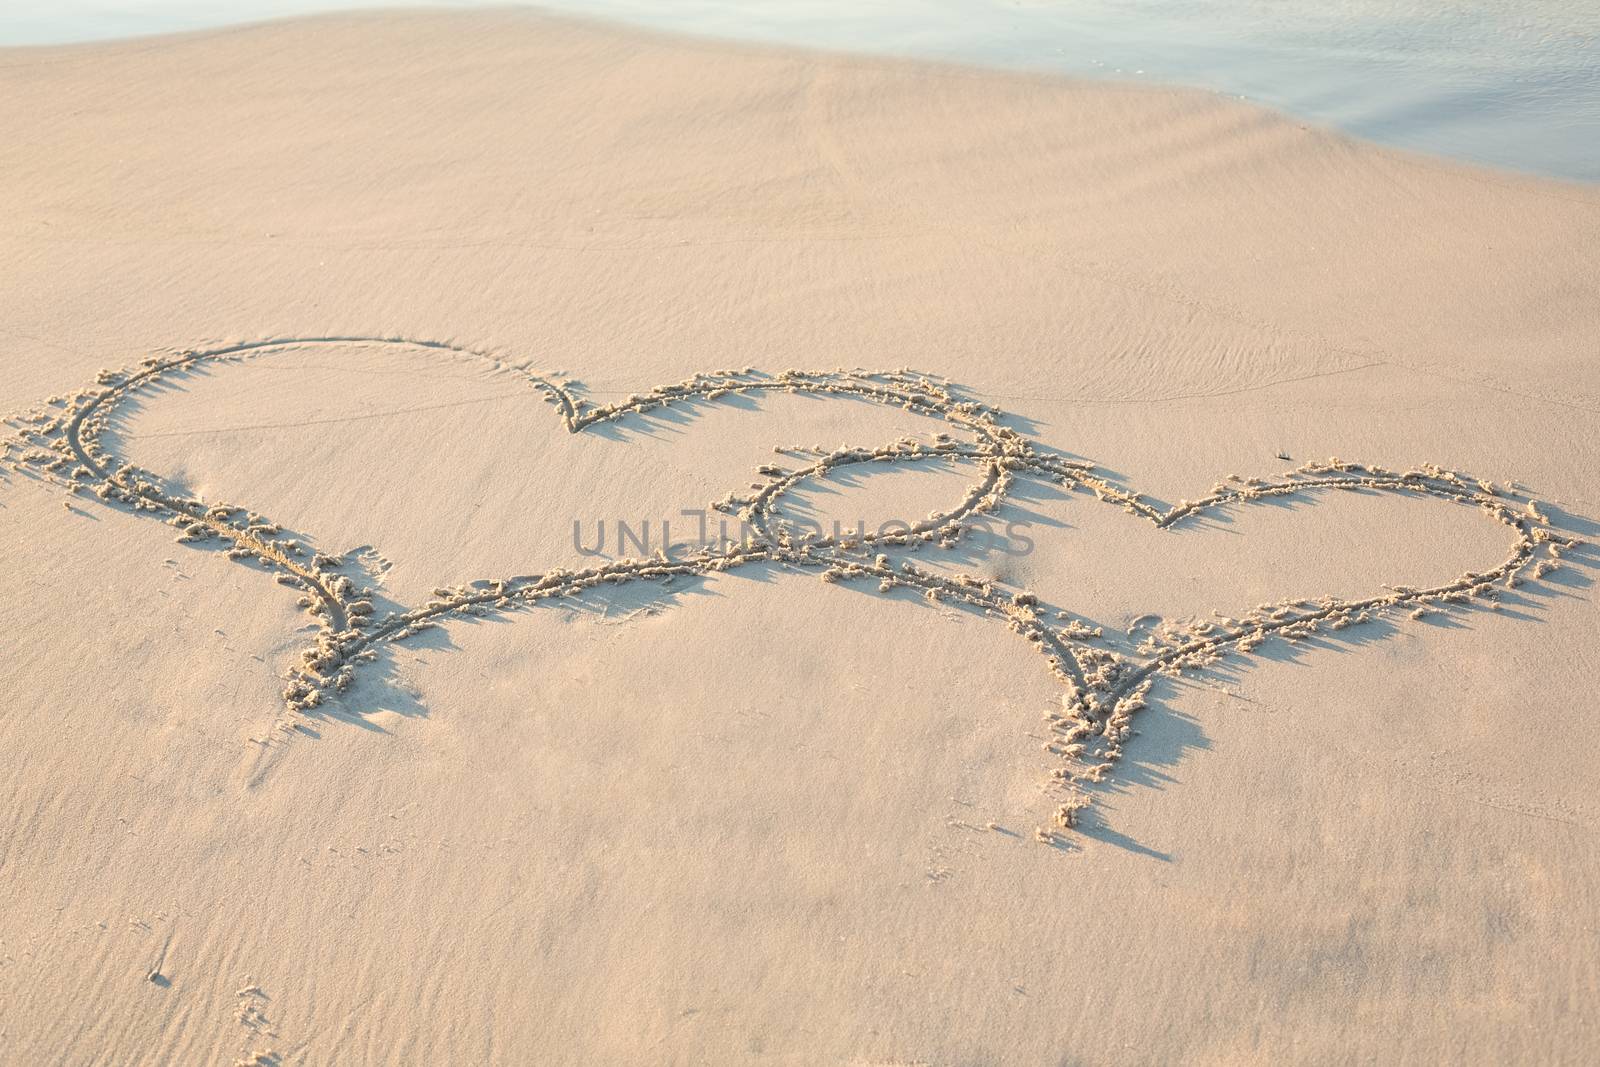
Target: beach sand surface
{"type": "Point", "coordinates": [754, 817]}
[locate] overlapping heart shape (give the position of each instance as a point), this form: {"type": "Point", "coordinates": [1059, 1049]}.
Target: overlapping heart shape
{"type": "Point", "coordinates": [1103, 687]}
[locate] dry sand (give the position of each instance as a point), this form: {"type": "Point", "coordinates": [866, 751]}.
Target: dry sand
{"type": "Point", "coordinates": [714, 810]}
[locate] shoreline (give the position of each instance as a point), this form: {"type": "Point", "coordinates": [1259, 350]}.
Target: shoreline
{"type": "Point", "coordinates": [690, 38]}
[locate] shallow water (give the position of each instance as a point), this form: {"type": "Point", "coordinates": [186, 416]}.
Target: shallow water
{"type": "Point", "coordinates": [1511, 83]}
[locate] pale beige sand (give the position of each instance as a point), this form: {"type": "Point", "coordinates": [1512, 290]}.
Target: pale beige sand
{"type": "Point", "coordinates": [757, 817]}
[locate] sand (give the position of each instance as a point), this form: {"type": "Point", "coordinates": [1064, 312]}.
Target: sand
{"type": "Point", "coordinates": [328, 738]}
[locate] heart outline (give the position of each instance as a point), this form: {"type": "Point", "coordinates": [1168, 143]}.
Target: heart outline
{"type": "Point", "coordinates": [1103, 689]}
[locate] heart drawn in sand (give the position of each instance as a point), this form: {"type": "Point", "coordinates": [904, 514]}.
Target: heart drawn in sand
{"type": "Point", "coordinates": [1103, 688]}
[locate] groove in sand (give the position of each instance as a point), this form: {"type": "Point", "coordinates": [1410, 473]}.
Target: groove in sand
{"type": "Point", "coordinates": [1103, 688]}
